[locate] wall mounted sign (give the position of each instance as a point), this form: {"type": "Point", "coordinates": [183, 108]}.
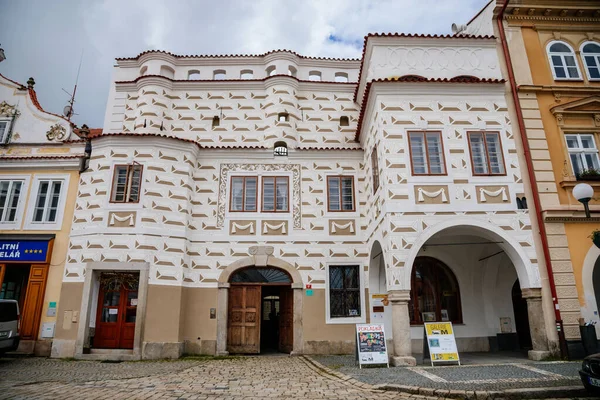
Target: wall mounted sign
{"type": "Point", "coordinates": [441, 342]}
{"type": "Point", "coordinates": [309, 292]}
{"type": "Point", "coordinates": [370, 344]}
{"type": "Point", "coordinates": [23, 251]}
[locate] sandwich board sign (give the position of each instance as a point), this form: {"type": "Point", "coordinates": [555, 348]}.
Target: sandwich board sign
{"type": "Point", "coordinates": [370, 345]}
{"type": "Point", "coordinates": [441, 342]}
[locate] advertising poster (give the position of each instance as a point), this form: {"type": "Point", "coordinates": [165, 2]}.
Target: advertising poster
{"type": "Point", "coordinates": [441, 342]}
{"type": "Point", "coordinates": [370, 339]}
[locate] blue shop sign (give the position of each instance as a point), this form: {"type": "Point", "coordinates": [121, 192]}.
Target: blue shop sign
{"type": "Point", "coordinates": [23, 250]}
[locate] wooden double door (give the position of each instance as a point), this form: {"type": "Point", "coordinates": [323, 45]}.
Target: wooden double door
{"type": "Point", "coordinates": [115, 320]}
{"type": "Point", "coordinates": [256, 309]}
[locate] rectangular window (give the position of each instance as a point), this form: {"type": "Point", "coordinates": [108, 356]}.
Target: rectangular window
{"type": "Point", "coordinates": [46, 202]}
{"type": "Point", "coordinates": [4, 128]}
{"type": "Point", "coordinates": [583, 153]}
{"type": "Point", "coordinates": [427, 153]}
{"type": "Point", "coordinates": [375, 169]}
{"type": "Point", "coordinates": [486, 153]}
{"type": "Point", "coordinates": [9, 200]}
{"type": "Point", "coordinates": [275, 194]}
{"type": "Point", "coordinates": [344, 291]}
{"type": "Point", "coordinates": [127, 182]}
{"type": "Point", "coordinates": [243, 193]}
{"type": "Point", "coordinates": [340, 193]}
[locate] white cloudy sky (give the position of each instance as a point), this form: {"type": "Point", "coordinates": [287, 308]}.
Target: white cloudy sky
{"type": "Point", "coordinates": [45, 38]}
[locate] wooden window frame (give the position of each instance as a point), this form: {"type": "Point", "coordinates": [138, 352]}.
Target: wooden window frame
{"type": "Point", "coordinates": [244, 177]}
{"type": "Point", "coordinates": [489, 167]}
{"type": "Point", "coordinates": [262, 194]}
{"type": "Point", "coordinates": [344, 289]}
{"type": "Point", "coordinates": [339, 177]}
{"type": "Point", "coordinates": [428, 173]}
{"type": "Point", "coordinates": [418, 321]}
{"type": "Point", "coordinates": [375, 169]}
{"type": "Point", "coordinates": [130, 167]}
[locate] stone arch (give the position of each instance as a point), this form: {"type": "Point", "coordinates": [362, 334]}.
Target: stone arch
{"type": "Point", "coordinates": [528, 275]}
{"type": "Point", "coordinates": [591, 261]}
{"type": "Point", "coordinates": [260, 256]}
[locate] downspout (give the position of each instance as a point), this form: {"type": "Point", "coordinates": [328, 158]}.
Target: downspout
{"type": "Point", "coordinates": [530, 171]}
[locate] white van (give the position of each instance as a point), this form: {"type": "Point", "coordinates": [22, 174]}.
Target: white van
{"type": "Point", "coordinates": [9, 325]}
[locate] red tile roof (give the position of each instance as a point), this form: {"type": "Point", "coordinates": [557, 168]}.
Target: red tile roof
{"type": "Point", "coordinates": [235, 55]}
{"type": "Point", "coordinates": [416, 79]}
{"type": "Point", "coordinates": [231, 80]}
{"type": "Point", "coordinates": [41, 157]}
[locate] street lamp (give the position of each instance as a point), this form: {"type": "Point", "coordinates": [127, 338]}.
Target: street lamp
{"type": "Point", "coordinates": [584, 193]}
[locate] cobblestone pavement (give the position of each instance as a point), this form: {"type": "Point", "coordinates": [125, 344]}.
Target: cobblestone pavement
{"type": "Point", "coordinates": [472, 377]}
{"type": "Point", "coordinates": [234, 378]}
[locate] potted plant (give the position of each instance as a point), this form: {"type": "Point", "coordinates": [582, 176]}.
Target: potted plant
{"type": "Point", "coordinates": [591, 174]}
{"type": "Point", "coordinates": [595, 236]}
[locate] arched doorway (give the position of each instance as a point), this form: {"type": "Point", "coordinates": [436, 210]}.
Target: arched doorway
{"type": "Point", "coordinates": [596, 282]}
{"type": "Point", "coordinates": [266, 270]}
{"type": "Point", "coordinates": [379, 306]}
{"type": "Point", "coordinates": [521, 317]}
{"type": "Point", "coordinates": [261, 310]}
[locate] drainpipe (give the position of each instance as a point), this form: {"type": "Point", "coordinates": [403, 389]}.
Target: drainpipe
{"type": "Point", "coordinates": [536, 198]}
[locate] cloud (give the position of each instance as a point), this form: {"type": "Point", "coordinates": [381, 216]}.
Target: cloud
{"type": "Point", "coordinates": [45, 39]}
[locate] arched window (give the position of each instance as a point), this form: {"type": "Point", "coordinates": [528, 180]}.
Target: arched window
{"type": "Point", "coordinates": [280, 149]}
{"type": "Point", "coordinates": [562, 59]}
{"type": "Point", "coordinates": [260, 275]}
{"type": "Point", "coordinates": [590, 51]}
{"type": "Point", "coordinates": [193, 74]}
{"type": "Point", "coordinates": [246, 74]}
{"type": "Point", "coordinates": [434, 293]}
{"type": "Point", "coordinates": [167, 71]}
{"type": "Point", "coordinates": [314, 76]}
{"type": "Point", "coordinates": [219, 74]}
{"type": "Point", "coordinates": [344, 120]}
{"type": "Point", "coordinates": [341, 77]}
{"type": "Point", "coordinates": [271, 70]}
{"type": "Point", "coordinates": [283, 117]}
{"type": "Point", "coordinates": [292, 71]}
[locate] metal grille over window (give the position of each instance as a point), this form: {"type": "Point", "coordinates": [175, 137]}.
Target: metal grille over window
{"type": "Point", "coordinates": [280, 149]}
{"type": "Point", "coordinates": [127, 182]}
{"type": "Point", "coordinates": [344, 291]}
{"type": "Point", "coordinates": [261, 275]}
{"type": "Point", "coordinates": [9, 200]}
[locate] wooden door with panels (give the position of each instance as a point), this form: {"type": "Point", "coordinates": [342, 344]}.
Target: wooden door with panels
{"type": "Point", "coordinates": [116, 315]}
{"type": "Point", "coordinates": [243, 331]}
{"type": "Point", "coordinates": [286, 319]}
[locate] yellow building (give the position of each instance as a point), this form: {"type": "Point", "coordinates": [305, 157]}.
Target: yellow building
{"type": "Point", "coordinates": [554, 53]}
{"type": "Point", "coordinates": [40, 160]}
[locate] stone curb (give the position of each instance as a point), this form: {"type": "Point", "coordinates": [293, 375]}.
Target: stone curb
{"type": "Point", "coordinates": [509, 394]}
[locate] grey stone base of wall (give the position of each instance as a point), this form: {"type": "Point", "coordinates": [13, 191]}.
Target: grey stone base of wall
{"type": "Point", "coordinates": [162, 350]}
{"type": "Point", "coordinates": [464, 345]}
{"type": "Point", "coordinates": [200, 347]}
{"type": "Point", "coordinates": [62, 348]}
{"type": "Point", "coordinates": [39, 348]}
{"type": "Point", "coordinates": [329, 347]}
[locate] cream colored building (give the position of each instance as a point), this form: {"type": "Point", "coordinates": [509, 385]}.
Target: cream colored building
{"type": "Point", "coordinates": [40, 161]}
{"type": "Point", "coordinates": [244, 204]}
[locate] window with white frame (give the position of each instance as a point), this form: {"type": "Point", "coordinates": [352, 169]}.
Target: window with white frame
{"type": "Point", "coordinates": [590, 51]}
{"type": "Point", "coordinates": [344, 291]}
{"type": "Point", "coordinates": [47, 201]}
{"type": "Point", "coordinates": [563, 61]}
{"type": "Point", "coordinates": [583, 153]}
{"type": "Point", "coordinates": [427, 153]}
{"type": "Point", "coordinates": [126, 185]}
{"type": "Point", "coordinates": [486, 153]}
{"type": "Point", "coordinates": [10, 192]}
{"type": "Point", "coordinates": [4, 129]}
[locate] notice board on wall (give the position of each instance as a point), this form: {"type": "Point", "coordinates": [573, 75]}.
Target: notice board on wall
{"type": "Point", "coordinates": [370, 345]}
{"type": "Point", "coordinates": [441, 342]}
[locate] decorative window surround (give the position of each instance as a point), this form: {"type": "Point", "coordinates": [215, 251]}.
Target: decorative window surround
{"type": "Point", "coordinates": [24, 179]}
{"type": "Point", "coordinates": [263, 170]}
{"type": "Point", "coordinates": [30, 224]}
{"type": "Point", "coordinates": [363, 312]}
{"type": "Point", "coordinates": [563, 60]}
{"type": "Point", "coordinates": [5, 124]}
{"type": "Point", "coordinates": [590, 53]}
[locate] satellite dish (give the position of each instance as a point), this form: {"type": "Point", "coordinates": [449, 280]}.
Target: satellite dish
{"type": "Point", "coordinates": [68, 111]}
{"type": "Point", "coordinates": [458, 28]}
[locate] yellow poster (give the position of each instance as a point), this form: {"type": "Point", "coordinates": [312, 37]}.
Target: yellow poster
{"type": "Point", "coordinates": [439, 328]}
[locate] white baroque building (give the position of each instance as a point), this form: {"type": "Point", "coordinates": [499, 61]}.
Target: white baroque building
{"type": "Point", "coordinates": [270, 202]}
